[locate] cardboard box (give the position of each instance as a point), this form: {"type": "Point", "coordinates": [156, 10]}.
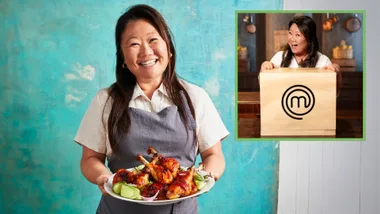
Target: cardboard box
{"type": "Point", "coordinates": [298, 102]}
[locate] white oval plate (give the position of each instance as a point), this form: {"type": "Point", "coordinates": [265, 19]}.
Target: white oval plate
{"type": "Point", "coordinates": [209, 184]}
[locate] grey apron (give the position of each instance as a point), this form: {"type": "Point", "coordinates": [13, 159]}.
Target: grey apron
{"type": "Point", "coordinates": [166, 132]}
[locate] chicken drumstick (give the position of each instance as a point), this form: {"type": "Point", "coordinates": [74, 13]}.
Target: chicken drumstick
{"type": "Point", "coordinates": [152, 189]}
{"type": "Point", "coordinates": [160, 173]}
{"type": "Point", "coordinates": [183, 185]}
{"type": "Point", "coordinates": [139, 178]}
{"type": "Point", "coordinates": [167, 162]}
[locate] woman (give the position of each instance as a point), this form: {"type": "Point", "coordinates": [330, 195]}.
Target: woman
{"type": "Point", "coordinates": [302, 49]}
{"type": "Point", "coordinates": [148, 106]}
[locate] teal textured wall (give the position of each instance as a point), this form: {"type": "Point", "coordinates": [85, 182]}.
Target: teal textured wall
{"type": "Point", "coordinates": [55, 55]}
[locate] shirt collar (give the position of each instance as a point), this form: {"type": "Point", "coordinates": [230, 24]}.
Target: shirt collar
{"type": "Point", "coordinates": [137, 92]}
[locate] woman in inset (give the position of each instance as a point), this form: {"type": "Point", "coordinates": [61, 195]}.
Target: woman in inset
{"type": "Point", "coordinates": [302, 49]}
{"type": "Point", "coordinates": [148, 106]}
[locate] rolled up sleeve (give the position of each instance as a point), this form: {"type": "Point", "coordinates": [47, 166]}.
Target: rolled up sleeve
{"type": "Point", "coordinates": [91, 132]}
{"type": "Point", "coordinates": [210, 127]}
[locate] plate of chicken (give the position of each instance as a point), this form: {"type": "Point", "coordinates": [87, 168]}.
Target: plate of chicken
{"type": "Point", "coordinates": [158, 182]}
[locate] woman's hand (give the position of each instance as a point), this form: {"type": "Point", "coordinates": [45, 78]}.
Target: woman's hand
{"type": "Point", "coordinates": [93, 168]}
{"type": "Point", "coordinates": [213, 160]}
{"type": "Point", "coordinates": [335, 67]}
{"type": "Point", "coordinates": [267, 65]}
{"type": "Point", "coordinates": [100, 181]}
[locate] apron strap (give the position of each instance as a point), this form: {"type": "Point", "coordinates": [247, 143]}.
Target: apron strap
{"type": "Point", "coordinates": [190, 122]}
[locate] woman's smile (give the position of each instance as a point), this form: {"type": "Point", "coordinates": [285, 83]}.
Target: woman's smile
{"type": "Point", "coordinates": [148, 63]}
{"type": "Point", "coordinates": [145, 52]}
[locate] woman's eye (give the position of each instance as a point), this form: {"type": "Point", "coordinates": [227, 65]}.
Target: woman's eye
{"type": "Point", "coordinates": [153, 40]}
{"type": "Point", "coordinates": [134, 44]}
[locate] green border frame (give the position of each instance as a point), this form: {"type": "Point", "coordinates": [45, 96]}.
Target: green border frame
{"type": "Point", "coordinates": [363, 26]}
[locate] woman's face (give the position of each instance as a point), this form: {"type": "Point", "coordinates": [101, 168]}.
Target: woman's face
{"type": "Point", "coordinates": [297, 41]}
{"type": "Point", "coordinates": [145, 52]}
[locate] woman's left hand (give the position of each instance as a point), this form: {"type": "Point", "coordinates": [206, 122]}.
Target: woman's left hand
{"type": "Point", "coordinates": [213, 160]}
{"type": "Point", "coordinates": [334, 67]}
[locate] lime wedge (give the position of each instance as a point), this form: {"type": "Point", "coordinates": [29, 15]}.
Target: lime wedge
{"type": "Point", "coordinates": [126, 191]}
{"type": "Point", "coordinates": [140, 167]}
{"type": "Point", "coordinates": [136, 193]}
{"type": "Point", "coordinates": [117, 188]}
{"type": "Point", "coordinates": [200, 184]}
{"type": "Point", "coordinates": [198, 177]}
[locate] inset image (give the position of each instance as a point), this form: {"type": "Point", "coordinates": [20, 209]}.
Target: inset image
{"type": "Point", "coordinates": [300, 75]}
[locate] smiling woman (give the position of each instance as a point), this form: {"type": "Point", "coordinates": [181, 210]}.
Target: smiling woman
{"type": "Point", "coordinates": [302, 49]}
{"type": "Point", "coordinates": [148, 106]}
{"type": "Point", "coordinates": [145, 54]}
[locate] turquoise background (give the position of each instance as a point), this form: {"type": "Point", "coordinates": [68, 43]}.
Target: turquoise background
{"type": "Point", "coordinates": [55, 55]}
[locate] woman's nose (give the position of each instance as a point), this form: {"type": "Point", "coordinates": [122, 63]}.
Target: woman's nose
{"type": "Point", "coordinates": [146, 49]}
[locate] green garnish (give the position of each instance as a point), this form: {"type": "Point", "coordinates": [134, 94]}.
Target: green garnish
{"type": "Point", "coordinates": [139, 167]}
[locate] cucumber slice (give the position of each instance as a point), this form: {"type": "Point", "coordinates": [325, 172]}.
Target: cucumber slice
{"type": "Point", "coordinates": [198, 177]}
{"type": "Point", "coordinates": [130, 192]}
{"type": "Point", "coordinates": [200, 184]}
{"type": "Point", "coordinates": [140, 167]}
{"type": "Point", "coordinates": [136, 193]}
{"type": "Point", "coordinates": [126, 191]}
{"type": "Point", "coordinates": [117, 188]}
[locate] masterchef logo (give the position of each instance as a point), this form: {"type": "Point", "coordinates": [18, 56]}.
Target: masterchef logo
{"type": "Point", "coordinates": [297, 101]}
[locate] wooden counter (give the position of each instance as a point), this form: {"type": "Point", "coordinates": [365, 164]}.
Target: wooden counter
{"type": "Point", "coordinates": [248, 104]}
{"type": "Point", "coordinates": [345, 128]}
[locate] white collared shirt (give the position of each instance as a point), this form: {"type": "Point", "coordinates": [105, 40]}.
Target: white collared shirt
{"type": "Point", "coordinates": [210, 127]}
{"type": "Point", "coordinates": [160, 99]}
{"type": "Point", "coordinates": [322, 60]}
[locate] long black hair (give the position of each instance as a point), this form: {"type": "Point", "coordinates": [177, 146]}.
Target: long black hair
{"type": "Point", "coordinates": [308, 28]}
{"type": "Point", "coordinates": [121, 91]}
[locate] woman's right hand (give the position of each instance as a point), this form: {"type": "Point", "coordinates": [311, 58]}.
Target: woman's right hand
{"type": "Point", "coordinates": [100, 181]}
{"type": "Point", "coordinates": [267, 65]}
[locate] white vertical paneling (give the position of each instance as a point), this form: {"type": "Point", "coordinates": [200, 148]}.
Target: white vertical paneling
{"type": "Point", "coordinates": [303, 170]}
{"type": "Point", "coordinates": [327, 174]}
{"type": "Point", "coordinates": [370, 189]}
{"type": "Point", "coordinates": [350, 162]}
{"type": "Point", "coordinates": [344, 176]}
{"type": "Point", "coordinates": [287, 178]}
{"type": "Point", "coordinates": [319, 177]}
{"type": "Point", "coordinates": [315, 178]}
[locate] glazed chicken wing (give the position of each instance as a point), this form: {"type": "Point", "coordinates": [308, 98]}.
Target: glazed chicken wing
{"type": "Point", "coordinates": [183, 185]}
{"type": "Point", "coordinates": [123, 175]}
{"type": "Point", "coordinates": [151, 190]}
{"type": "Point", "coordinates": [139, 178]}
{"type": "Point", "coordinates": [159, 173]}
{"type": "Point", "coordinates": [167, 162]}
